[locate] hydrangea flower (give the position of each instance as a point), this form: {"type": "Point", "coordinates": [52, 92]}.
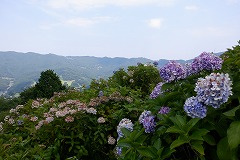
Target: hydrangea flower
{"type": "Point", "coordinates": [214, 89]}
{"type": "Point", "coordinates": [149, 124]}
{"type": "Point", "coordinates": [194, 108]}
{"type": "Point", "coordinates": [124, 123]}
{"type": "Point", "coordinates": [69, 119]}
{"type": "Point", "coordinates": [144, 115]}
{"type": "Point", "coordinates": [101, 120]}
{"type": "Point", "coordinates": [164, 110]}
{"type": "Point", "coordinates": [1, 126]}
{"type": "Point", "coordinates": [172, 71]}
{"type": "Point", "coordinates": [100, 94]}
{"type": "Point", "coordinates": [20, 122]}
{"type": "Point", "coordinates": [156, 91]}
{"type": "Point", "coordinates": [111, 140]}
{"type": "Point", "coordinates": [206, 61]}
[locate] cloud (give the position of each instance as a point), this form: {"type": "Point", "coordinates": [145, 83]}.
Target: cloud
{"type": "Point", "coordinates": [88, 4]}
{"type": "Point", "coordinates": [191, 8]}
{"type": "Point", "coordinates": [155, 23]}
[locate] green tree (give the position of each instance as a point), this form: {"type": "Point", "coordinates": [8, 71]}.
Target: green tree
{"type": "Point", "coordinates": [47, 84]}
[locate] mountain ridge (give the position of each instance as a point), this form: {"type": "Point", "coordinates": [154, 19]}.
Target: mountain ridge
{"type": "Point", "coordinates": [19, 70]}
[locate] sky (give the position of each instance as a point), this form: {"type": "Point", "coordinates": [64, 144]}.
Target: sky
{"type": "Point", "coordinates": [153, 29]}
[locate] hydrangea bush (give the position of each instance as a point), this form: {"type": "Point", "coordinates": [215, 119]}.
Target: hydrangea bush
{"type": "Point", "coordinates": [196, 116]}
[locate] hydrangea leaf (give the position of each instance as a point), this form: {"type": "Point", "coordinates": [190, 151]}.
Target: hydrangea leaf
{"type": "Point", "coordinates": [233, 134]}
{"type": "Point", "coordinates": [231, 113]}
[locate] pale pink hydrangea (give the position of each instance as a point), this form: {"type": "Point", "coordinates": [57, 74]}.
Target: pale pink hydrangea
{"type": "Point", "coordinates": [69, 119]}
{"type": "Point", "coordinates": [49, 119]}
{"type": "Point", "coordinates": [1, 126]}
{"type": "Point", "coordinates": [53, 110]}
{"type": "Point", "coordinates": [101, 120]}
{"type": "Point", "coordinates": [35, 104]}
{"type": "Point", "coordinates": [111, 140]}
{"type": "Point", "coordinates": [34, 119]}
{"type": "Point", "coordinates": [91, 110]}
{"type": "Point", "coordinates": [61, 113]}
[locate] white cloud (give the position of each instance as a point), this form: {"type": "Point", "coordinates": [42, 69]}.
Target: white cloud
{"type": "Point", "coordinates": [88, 4]}
{"type": "Point", "coordinates": [155, 23]}
{"type": "Point", "coordinates": [191, 8]}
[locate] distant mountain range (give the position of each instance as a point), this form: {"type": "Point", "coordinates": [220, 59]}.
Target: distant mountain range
{"type": "Point", "coordinates": [21, 70]}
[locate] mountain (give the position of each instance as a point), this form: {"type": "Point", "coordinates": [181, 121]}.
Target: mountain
{"type": "Point", "coordinates": [19, 71]}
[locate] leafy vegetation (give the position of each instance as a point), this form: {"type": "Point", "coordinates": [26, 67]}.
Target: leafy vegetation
{"type": "Point", "coordinates": [192, 113]}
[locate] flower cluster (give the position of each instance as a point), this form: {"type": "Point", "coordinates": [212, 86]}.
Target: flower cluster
{"type": "Point", "coordinates": [124, 123]}
{"type": "Point", "coordinates": [147, 119]}
{"type": "Point", "coordinates": [172, 71]}
{"type": "Point", "coordinates": [144, 115]}
{"type": "Point", "coordinates": [206, 61]}
{"type": "Point", "coordinates": [164, 110]}
{"type": "Point", "coordinates": [1, 126]}
{"type": "Point", "coordinates": [111, 140]}
{"type": "Point", "coordinates": [156, 91]}
{"type": "Point", "coordinates": [69, 119]}
{"type": "Point", "coordinates": [101, 120]}
{"type": "Point", "coordinates": [195, 109]}
{"type": "Point", "coordinates": [214, 89]}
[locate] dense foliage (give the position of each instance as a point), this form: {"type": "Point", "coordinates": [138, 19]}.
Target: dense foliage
{"type": "Point", "coordinates": [181, 111]}
{"type": "Point", "coordinates": [48, 83]}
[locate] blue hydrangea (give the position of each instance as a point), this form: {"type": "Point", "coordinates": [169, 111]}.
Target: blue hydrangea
{"type": "Point", "coordinates": [214, 90]}
{"type": "Point", "coordinates": [156, 91]}
{"type": "Point", "coordinates": [172, 71]}
{"type": "Point", "coordinates": [206, 61]}
{"type": "Point", "coordinates": [124, 123]}
{"type": "Point", "coordinates": [144, 115]}
{"type": "Point", "coordinates": [149, 124]}
{"type": "Point", "coordinates": [100, 94]}
{"type": "Point", "coordinates": [164, 110]}
{"type": "Point", "coordinates": [194, 108]}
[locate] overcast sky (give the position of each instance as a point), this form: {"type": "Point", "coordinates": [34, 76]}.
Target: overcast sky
{"type": "Point", "coordinates": [154, 29]}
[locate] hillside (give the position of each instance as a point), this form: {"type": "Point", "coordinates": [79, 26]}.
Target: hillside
{"type": "Point", "coordinates": [20, 70]}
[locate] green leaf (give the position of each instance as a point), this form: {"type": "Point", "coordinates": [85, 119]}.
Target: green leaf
{"type": "Point", "coordinates": [178, 142]}
{"type": "Point", "coordinates": [174, 129]}
{"type": "Point", "coordinates": [231, 113]}
{"type": "Point", "coordinates": [178, 121]}
{"type": "Point", "coordinates": [197, 145]}
{"type": "Point", "coordinates": [124, 142]}
{"type": "Point", "coordinates": [233, 134]}
{"type": "Point", "coordinates": [126, 132]}
{"type": "Point", "coordinates": [192, 123]}
{"type": "Point", "coordinates": [209, 139]}
{"type": "Point", "coordinates": [157, 144]}
{"type": "Point", "coordinates": [223, 150]}
{"type": "Point", "coordinates": [147, 151]}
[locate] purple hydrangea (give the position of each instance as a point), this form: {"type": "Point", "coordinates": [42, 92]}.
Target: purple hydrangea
{"type": "Point", "coordinates": [124, 123]}
{"type": "Point", "coordinates": [206, 61]}
{"type": "Point", "coordinates": [164, 110]}
{"type": "Point", "coordinates": [194, 108]}
{"type": "Point", "coordinates": [149, 124]}
{"type": "Point", "coordinates": [144, 115]}
{"type": "Point", "coordinates": [172, 71]}
{"type": "Point", "coordinates": [156, 91]}
{"type": "Point", "coordinates": [214, 89]}
{"type": "Point", "coordinates": [100, 94]}
{"type": "Point", "coordinates": [189, 70]}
